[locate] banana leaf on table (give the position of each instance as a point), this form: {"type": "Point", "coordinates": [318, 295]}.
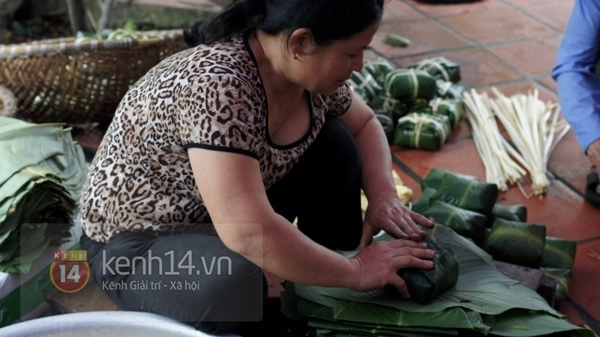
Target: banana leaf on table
{"type": "Point", "coordinates": [41, 175]}
{"type": "Point", "coordinates": [483, 301]}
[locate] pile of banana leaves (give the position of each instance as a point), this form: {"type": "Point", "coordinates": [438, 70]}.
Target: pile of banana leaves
{"type": "Point", "coordinates": [484, 302]}
{"type": "Point", "coordinates": [42, 171]}
{"type": "Point", "coordinates": [417, 106]}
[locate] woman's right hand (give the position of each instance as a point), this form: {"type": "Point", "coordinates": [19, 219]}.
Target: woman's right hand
{"type": "Point", "coordinates": [377, 264]}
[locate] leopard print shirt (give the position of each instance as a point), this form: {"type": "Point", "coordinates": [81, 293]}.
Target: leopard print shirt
{"type": "Point", "coordinates": [209, 97]}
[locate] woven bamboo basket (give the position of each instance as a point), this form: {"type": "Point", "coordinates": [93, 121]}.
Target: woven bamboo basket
{"type": "Point", "coordinates": [80, 81]}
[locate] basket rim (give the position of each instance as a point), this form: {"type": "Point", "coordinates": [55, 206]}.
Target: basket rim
{"type": "Point", "coordinates": [62, 45]}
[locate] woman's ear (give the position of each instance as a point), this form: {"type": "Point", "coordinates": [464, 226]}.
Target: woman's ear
{"type": "Point", "coordinates": [301, 43]}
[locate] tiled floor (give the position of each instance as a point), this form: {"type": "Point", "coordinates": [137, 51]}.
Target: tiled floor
{"type": "Point", "coordinates": [510, 45]}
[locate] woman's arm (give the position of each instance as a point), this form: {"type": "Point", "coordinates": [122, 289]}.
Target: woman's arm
{"type": "Point", "coordinates": [575, 72]}
{"type": "Point", "coordinates": [232, 188]}
{"type": "Point", "coordinates": [385, 210]}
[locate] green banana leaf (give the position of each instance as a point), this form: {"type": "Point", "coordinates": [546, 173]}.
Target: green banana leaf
{"type": "Point", "coordinates": [509, 212]}
{"type": "Point", "coordinates": [422, 131]}
{"type": "Point", "coordinates": [313, 305]}
{"type": "Point", "coordinates": [470, 194]}
{"type": "Point", "coordinates": [559, 253]}
{"type": "Point", "coordinates": [410, 84]}
{"type": "Point", "coordinates": [378, 68]}
{"type": "Point", "coordinates": [450, 90]}
{"type": "Point", "coordinates": [505, 305]}
{"type": "Point", "coordinates": [420, 105]}
{"type": "Point", "coordinates": [41, 176]}
{"type": "Point", "coordinates": [562, 277]}
{"type": "Point", "coordinates": [388, 125]}
{"type": "Point", "coordinates": [467, 223]}
{"type": "Point", "coordinates": [517, 242]}
{"type": "Point", "coordinates": [440, 68]}
{"type": "Point", "coordinates": [363, 83]}
{"type": "Point", "coordinates": [425, 285]}
{"type": "Point", "coordinates": [453, 108]}
{"type": "Point", "coordinates": [423, 202]}
{"type": "Point", "coordinates": [435, 176]}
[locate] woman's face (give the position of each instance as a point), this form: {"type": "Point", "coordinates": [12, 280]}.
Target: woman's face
{"type": "Point", "coordinates": [330, 67]}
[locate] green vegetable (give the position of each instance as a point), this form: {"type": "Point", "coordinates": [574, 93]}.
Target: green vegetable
{"type": "Point", "coordinates": [396, 40]}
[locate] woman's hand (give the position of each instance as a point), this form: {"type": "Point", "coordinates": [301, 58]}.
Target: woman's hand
{"type": "Point", "coordinates": [389, 214]}
{"type": "Point", "coordinates": [377, 265]}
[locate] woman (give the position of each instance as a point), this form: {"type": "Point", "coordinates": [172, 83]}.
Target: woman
{"type": "Point", "coordinates": [251, 128]}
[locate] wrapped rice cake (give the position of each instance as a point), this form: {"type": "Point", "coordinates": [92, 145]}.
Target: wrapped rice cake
{"type": "Point", "coordinates": [410, 84]}
{"type": "Point", "coordinates": [365, 86]}
{"type": "Point", "coordinates": [453, 108]}
{"type": "Point", "coordinates": [517, 242]}
{"type": "Point", "coordinates": [378, 68]}
{"type": "Point", "coordinates": [471, 194]}
{"type": "Point", "coordinates": [467, 223]}
{"type": "Point", "coordinates": [509, 212]}
{"type": "Point", "coordinates": [435, 176]}
{"type": "Point", "coordinates": [425, 285]}
{"type": "Point", "coordinates": [559, 253]}
{"type": "Point", "coordinates": [440, 68]}
{"type": "Point", "coordinates": [422, 131]}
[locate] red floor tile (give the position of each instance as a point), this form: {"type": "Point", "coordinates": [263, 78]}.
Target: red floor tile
{"type": "Point", "coordinates": [425, 36]}
{"type": "Point", "coordinates": [533, 57]}
{"type": "Point", "coordinates": [496, 25]}
{"type": "Point", "coordinates": [398, 11]}
{"type": "Point", "coordinates": [568, 160]}
{"type": "Point", "coordinates": [441, 10]}
{"type": "Point", "coordinates": [460, 157]}
{"type": "Point", "coordinates": [584, 287]}
{"type": "Point", "coordinates": [552, 13]}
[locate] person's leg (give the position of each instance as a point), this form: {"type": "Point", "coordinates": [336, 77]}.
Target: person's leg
{"type": "Point", "coordinates": [191, 278]}
{"type": "Point", "coordinates": [323, 189]}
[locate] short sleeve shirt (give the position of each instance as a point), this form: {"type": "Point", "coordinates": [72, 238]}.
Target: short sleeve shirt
{"type": "Point", "coordinates": [209, 96]}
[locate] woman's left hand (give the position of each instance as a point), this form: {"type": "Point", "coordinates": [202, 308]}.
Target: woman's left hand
{"type": "Point", "coordinates": [389, 214]}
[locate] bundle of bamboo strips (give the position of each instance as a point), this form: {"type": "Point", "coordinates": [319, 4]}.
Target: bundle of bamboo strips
{"type": "Point", "coordinates": [532, 130]}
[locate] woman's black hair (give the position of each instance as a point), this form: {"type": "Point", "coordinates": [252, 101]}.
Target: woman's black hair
{"type": "Point", "coordinates": [328, 20]}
